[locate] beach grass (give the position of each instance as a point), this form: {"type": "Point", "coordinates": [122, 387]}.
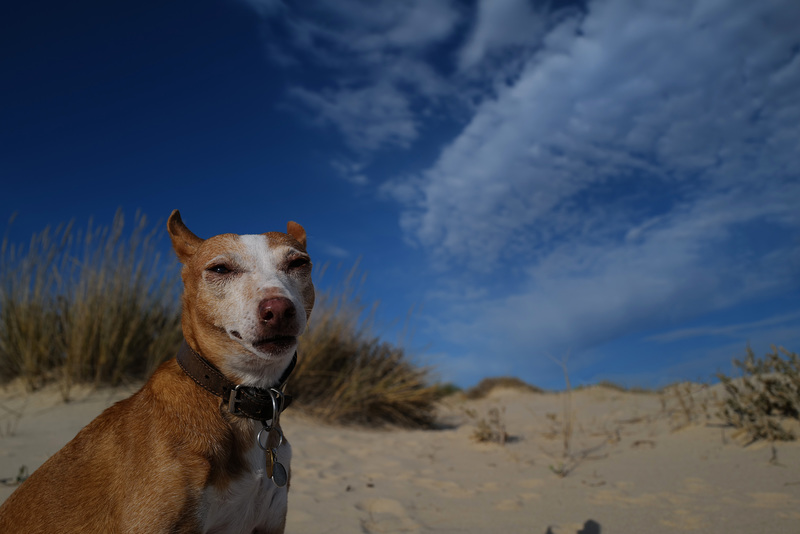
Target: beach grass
{"type": "Point", "coordinates": [101, 305]}
{"type": "Point", "coordinates": [348, 375]}
{"type": "Point", "coordinates": [95, 305]}
{"type": "Point", "coordinates": [764, 401]}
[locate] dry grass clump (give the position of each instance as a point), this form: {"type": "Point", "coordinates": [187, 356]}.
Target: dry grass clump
{"type": "Point", "coordinates": [687, 403]}
{"type": "Point", "coordinates": [487, 385]}
{"type": "Point", "coordinates": [86, 306]}
{"type": "Point", "coordinates": [347, 375]}
{"type": "Point", "coordinates": [489, 429]}
{"type": "Point", "coordinates": [99, 306]}
{"type": "Point", "coordinates": [765, 397]}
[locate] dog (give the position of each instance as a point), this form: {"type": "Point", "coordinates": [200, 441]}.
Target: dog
{"type": "Point", "coordinates": [199, 448]}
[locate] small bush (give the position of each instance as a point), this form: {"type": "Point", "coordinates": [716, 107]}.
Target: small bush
{"type": "Point", "coordinates": [346, 375]}
{"type": "Point", "coordinates": [87, 306]}
{"type": "Point", "coordinates": [487, 385]}
{"type": "Point", "coordinates": [490, 429]}
{"type": "Point", "coordinates": [766, 395]}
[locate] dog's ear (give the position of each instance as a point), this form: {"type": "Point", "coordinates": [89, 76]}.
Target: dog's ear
{"type": "Point", "coordinates": [297, 232]}
{"type": "Point", "coordinates": [184, 241]}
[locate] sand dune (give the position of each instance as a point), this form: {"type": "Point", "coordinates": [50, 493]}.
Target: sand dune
{"type": "Point", "coordinates": [636, 464]}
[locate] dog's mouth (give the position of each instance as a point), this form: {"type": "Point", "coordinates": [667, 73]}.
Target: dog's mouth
{"type": "Point", "coordinates": [275, 344]}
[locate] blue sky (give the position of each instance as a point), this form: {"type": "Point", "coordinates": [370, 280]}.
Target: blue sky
{"type": "Point", "coordinates": [613, 180]}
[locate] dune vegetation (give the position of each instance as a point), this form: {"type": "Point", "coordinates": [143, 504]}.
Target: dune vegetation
{"type": "Point", "coordinates": [101, 305]}
{"type": "Point", "coordinates": [94, 305]}
{"type": "Point", "coordinates": [764, 401]}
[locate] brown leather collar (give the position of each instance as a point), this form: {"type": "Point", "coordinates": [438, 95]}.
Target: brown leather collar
{"type": "Point", "coordinates": [246, 401]}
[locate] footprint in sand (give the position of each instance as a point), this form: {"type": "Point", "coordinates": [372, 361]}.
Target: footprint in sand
{"type": "Point", "coordinates": [685, 520]}
{"type": "Point", "coordinates": [445, 487]}
{"type": "Point", "coordinates": [386, 515]}
{"type": "Point", "coordinates": [698, 486]}
{"type": "Point", "coordinates": [517, 503]}
{"type": "Point", "coordinates": [773, 500]}
{"type": "Point", "coordinates": [509, 505]}
{"type": "Point", "coordinates": [532, 483]}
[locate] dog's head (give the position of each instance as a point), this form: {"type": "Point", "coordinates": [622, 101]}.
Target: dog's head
{"type": "Point", "coordinates": [246, 298]}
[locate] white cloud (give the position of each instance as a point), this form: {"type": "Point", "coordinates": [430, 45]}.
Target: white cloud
{"type": "Point", "coordinates": [351, 171]}
{"type": "Point", "coordinates": [369, 117]}
{"type": "Point", "coordinates": [405, 189]}
{"type": "Point", "coordinates": [334, 251]}
{"type": "Point", "coordinates": [376, 50]}
{"type": "Point", "coordinates": [630, 165]}
{"type": "Point", "coordinates": [502, 24]}
{"type": "Point", "coordinates": [582, 294]}
{"type": "Point", "coordinates": [366, 26]}
{"type": "Point", "coordinates": [640, 171]}
{"type": "Point", "coordinates": [671, 96]}
{"type": "Point", "coordinates": [737, 330]}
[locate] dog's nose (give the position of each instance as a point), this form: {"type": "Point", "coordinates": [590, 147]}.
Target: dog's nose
{"type": "Point", "coordinates": [274, 311]}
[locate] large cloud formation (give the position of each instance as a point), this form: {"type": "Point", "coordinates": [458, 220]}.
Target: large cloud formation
{"type": "Point", "coordinates": [641, 169]}
{"type": "Point", "coordinates": [621, 164]}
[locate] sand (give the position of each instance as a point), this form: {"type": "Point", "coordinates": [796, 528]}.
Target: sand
{"type": "Point", "coordinates": [636, 464]}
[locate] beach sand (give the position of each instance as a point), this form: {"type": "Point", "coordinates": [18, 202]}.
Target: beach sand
{"type": "Point", "coordinates": [636, 464]}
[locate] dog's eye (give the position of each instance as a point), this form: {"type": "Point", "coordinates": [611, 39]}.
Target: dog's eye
{"type": "Point", "coordinates": [297, 263]}
{"type": "Point", "coordinates": [219, 269]}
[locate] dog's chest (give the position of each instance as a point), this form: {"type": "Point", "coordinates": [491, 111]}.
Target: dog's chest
{"type": "Point", "coordinates": [252, 502]}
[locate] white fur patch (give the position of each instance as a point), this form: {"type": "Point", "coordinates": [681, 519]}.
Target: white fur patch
{"type": "Point", "coordinates": [251, 501]}
{"type": "Point", "coordinates": [263, 274]}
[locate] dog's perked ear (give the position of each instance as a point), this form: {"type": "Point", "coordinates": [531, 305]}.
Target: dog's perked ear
{"type": "Point", "coordinates": [297, 232]}
{"type": "Point", "coordinates": [184, 241]}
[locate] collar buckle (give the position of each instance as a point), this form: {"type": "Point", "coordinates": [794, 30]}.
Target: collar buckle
{"type": "Point", "coordinates": [243, 401]}
{"type": "Point", "coordinates": [234, 399]}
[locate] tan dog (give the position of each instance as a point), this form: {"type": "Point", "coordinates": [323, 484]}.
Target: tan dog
{"type": "Point", "coordinates": [173, 458]}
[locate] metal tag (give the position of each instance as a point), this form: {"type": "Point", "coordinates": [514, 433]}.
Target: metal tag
{"type": "Point", "coordinates": [279, 476]}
